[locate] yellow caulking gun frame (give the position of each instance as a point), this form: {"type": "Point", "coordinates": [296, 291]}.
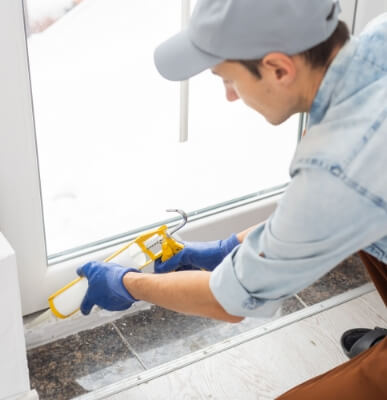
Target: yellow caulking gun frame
{"type": "Point", "coordinates": [169, 247]}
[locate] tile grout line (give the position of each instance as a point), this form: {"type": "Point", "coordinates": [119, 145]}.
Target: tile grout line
{"type": "Point", "coordinates": [123, 338]}
{"type": "Point", "coordinates": [300, 300]}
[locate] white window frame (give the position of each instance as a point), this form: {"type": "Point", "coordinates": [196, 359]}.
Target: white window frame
{"type": "Point", "coordinates": [21, 215]}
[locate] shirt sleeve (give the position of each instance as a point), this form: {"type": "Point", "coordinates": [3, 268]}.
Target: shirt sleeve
{"type": "Point", "coordinates": [318, 222]}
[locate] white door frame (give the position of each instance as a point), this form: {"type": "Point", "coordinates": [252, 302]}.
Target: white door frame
{"type": "Point", "coordinates": [21, 217]}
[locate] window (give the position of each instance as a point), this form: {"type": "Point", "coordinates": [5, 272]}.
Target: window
{"type": "Point", "coordinates": [107, 126]}
{"type": "Point", "coordinates": [93, 145]}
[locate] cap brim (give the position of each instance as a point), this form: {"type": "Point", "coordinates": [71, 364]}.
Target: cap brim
{"type": "Point", "coordinates": [178, 59]}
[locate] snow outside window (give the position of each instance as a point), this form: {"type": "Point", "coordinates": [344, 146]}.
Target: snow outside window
{"type": "Point", "coordinates": [107, 125]}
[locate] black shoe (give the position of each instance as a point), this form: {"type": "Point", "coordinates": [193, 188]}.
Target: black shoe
{"type": "Point", "coordinates": [355, 341]}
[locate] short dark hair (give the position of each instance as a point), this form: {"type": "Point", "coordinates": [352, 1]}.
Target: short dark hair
{"type": "Point", "coordinates": [317, 56]}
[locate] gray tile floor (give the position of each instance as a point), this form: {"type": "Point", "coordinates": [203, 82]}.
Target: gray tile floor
{"type": "Point", "coordinates": [350, 274]}
{"type": "Point", "coordinates": [92, 359]}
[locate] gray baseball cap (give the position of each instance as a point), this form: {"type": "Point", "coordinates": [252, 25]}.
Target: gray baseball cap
{"type": "Point", "coordinates": [222, 30]}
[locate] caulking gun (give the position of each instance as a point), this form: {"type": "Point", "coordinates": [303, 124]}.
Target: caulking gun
{"type": "Point", "coordinates": [140, 252]}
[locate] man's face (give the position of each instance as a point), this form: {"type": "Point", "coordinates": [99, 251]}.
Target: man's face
{"type": "Point", "coordinates": [273, 95]}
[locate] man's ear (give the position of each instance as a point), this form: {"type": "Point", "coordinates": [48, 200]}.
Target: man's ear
{"type": "Point", "coordinates": [279, 67]}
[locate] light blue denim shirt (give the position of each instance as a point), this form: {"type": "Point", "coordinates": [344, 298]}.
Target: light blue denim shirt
{"type": "Point", "coordinates": [336, 202]}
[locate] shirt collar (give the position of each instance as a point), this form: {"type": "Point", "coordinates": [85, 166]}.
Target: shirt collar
{"type": "Point", "coordinates": [336, 71]}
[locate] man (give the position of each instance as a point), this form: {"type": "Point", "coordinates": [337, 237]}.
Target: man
{"type": "Point", "coordinates": [282, 57]}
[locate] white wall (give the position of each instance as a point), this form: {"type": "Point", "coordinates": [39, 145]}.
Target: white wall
{"type": "Point", "coordinates": [14, 378]}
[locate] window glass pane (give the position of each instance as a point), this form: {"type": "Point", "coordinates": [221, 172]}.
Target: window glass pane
{"type": "Point", "coordinates": [107, 124]}
{"type": "Point", "coordinates": [105, 120]}
{"type": "Point", "coordinates": [239, 151]}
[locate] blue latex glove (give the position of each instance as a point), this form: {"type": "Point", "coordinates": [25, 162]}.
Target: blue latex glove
{"type": "Point", "coordinates": [106, 288]}
{"type": "Point", "coordinates": [197, 255]}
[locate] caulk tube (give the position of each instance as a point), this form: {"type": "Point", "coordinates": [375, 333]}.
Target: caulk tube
{"type": "Point", "coordinates": [67, 301]}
